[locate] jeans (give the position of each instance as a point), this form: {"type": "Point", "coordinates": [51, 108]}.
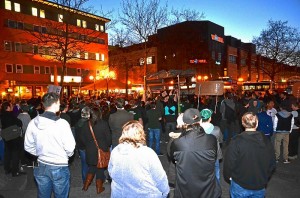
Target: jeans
{"type": "Point", "coordinates": [52, 178]}
{"type": "Point", "coordinates": [294, 142]}
{"type": "Point", "coordinates": [84, 166]}
{"type": "Point", "coordinates": [236, 191]}
{"type": "Point", "coordinates": [154, 134]}
{"type": "Point", "coordinates": [217, 170]}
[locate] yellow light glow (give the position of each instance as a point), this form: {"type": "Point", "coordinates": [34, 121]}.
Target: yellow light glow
{"type": "Point", "coordinates": [91, 77]}
{"type": "Point", "coordinates": [240, 79]}
{"type": "Point", "coordinates": [205, 77]}
{"type": "Point", "coordinates": [199, 77]}
{"type": "Point", "coordinates": [129, 82]}
{"type": "Point", "coordinates": [3, 93]}
{"type": "Point", "coordinates": [172, 82]}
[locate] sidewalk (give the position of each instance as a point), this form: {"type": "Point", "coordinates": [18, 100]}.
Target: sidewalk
{"type": "Point", "coordinates": [285, 182]}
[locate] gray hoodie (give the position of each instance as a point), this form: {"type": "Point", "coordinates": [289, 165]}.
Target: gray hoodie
{"type": "Point", "coordinates": [284, 114]}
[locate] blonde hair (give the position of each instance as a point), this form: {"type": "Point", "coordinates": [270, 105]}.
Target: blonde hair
{"type": "Point", "coordinates": [249, 120]}
{"type": "Point", "coordinates": [133, 133]}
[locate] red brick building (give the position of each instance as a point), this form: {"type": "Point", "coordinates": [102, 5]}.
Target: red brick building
{"type": "Point", "coordinates": [28, 66]}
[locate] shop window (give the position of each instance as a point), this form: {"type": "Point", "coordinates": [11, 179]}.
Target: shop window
{"type": "Point", "coordinates": [34, 11]}
{"type": "Point", "coordinates": [36, 69]}
{"type": "Point", "coordinates": [42, 13]}
{"type": "Point", "coordinates": [7, 46]}
{"type": "Point", "coordinates": [8, 68]}
{"type": "Point", "coordinates": [78, 54]}
{"type": "Point", "coordinates": [60, 18]}
{"type": "Point", "coordinates": [17, 7]}
{"type": "Point", "coordinates": [19, 68]}
{"type": "Point", "coordinates": [97, 56]}
{"type": "Point", "coordinates": [47, 70]}
{"type": "Point", "coordinates": [18, 47]}
{"type": "Point", "coordinates": [7, 5]}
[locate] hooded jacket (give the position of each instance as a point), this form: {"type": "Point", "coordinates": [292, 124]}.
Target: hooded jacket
{"type": "Point", "coordinates": [249, 160]}
{"type": "Point", "coordinates": [50, 139]}
{"type": "Point", "coordinates": [283, 122]}
{"type": "Point", "coordinates": [195, 154]}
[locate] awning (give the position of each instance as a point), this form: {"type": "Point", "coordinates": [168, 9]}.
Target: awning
{"type": "Point", "coordinates": [102, 84]}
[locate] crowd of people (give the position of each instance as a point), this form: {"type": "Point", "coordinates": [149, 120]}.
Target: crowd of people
{"type": "Point", "coordinates": [196, 128]}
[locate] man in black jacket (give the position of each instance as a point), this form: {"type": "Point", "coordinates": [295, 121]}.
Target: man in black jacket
{"type": "Point", "coordinates": [195, 154]}
{"type": "Point", "coordinates": [249, 160]}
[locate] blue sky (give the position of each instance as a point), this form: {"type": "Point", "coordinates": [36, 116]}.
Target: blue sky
{"type": "Point", "coordinates": [242, 19]}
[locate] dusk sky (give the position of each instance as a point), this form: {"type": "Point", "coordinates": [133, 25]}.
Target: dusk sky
{"type": "Point", "coordinates": [240, 19]}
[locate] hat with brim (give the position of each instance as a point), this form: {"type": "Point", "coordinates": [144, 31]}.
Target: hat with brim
{"type": "Point", "coordinates": [191, 116]}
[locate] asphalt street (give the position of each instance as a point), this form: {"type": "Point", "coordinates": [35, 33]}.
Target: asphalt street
{"type": "Point", "coordinates": [285, 182]}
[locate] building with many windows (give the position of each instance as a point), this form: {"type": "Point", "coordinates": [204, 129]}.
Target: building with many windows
{"type": "Point", "coordinates": [34, 36]}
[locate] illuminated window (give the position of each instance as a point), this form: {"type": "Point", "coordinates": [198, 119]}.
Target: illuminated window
{"type": "Point", "coordinates": [7, 45]}
{"type": "Point", "coordinates": [101, 28]}
{"type": "Point", "coordinates": [18, 47]}
{"type": "Point", "coordinates": [17, 7]}
{"type": "Point", "coordinates": [47, 70]}
{"type": "Point", "coordinates": [78, 22]}
{"type": "Point", "coordinates": [86, 55]}
{"type": "Point", "coordinates": [149, 60]}
{"type": "Point", "coordinates": [19, 68]}
{"type": "Point", "coordinates": [83, 24]}
{"type": "Point", "coordinates": [97, 56]}
{"type": "Point", "coordinates": [102, 57]}
{"type": "Point", "coordinates": [60, 18]}
{"type": "Point", "coordinates": [34, 11]}
{"type": "Point", "coordinates": [8, 68]}
{"type": "Point", "coordinates": [42, 14]}
{"type": "Point", "coordinates": [37, 69]}
{"type": "Point", "coordinates": [97, 27]}
{"type": "Point", "coordinates": [7, 5]}
{"type": "Point", "coordinates": [78, 54]}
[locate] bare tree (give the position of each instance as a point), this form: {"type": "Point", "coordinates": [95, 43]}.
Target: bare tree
{"type": "Point", "coordinates": [279, 43]}
{"type": "Point", "coordinates": [178, 16]}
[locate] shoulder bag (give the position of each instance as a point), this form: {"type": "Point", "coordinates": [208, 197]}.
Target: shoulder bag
{"type": "Point", "coordinates": [103, 157]}
{"type": "Point", "coordinates": [11, 132]}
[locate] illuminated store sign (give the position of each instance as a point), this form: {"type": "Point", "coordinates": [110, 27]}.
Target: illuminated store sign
{"type": "Point", "coordinates": [198, 61]}
{"type": "Point", "coordinates": [217, 38]}
{"type": "Point", "coordinates": [67, 79]}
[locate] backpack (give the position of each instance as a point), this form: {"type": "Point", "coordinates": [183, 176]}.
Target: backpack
{"type": "Point", "coordinates": [230, 114]}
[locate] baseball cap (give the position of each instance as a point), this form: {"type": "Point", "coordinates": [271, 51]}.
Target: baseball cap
{"type": "Point", "coordinates": [206, 113]}
{"type": "Point", "coordinates": [191, 115]}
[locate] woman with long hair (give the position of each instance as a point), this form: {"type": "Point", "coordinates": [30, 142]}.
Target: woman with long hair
{"type": "Point", "coordinates": [103, 137]}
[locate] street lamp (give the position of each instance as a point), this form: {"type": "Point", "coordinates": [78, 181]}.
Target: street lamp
{"type": "Point", "coordinates": [94, 79]}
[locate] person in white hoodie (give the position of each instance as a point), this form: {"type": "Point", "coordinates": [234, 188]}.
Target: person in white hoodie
{"type": "Point", "coordinates": [209, 128]}
{"type": "Point", "coordinates": [50, 139]}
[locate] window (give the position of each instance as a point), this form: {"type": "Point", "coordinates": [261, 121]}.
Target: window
{"type": "Point", "coordinates": [36, 70]}
{"type": "Point", "coordinates": [97, 56]}
{"type": "Point", "coordinates": [42, 13]}
{"type": "Point", "coordinates": [101, 41]}
{"type": "Point", "coordinates": [8, 68]}
{"type": "Point", "coordinates": [97, 27]}
{"type": "Point", "coordinates": [17, 7]}
{"type": "Point", "coordinates": [7, 46]}
{"type": "Point", "coordinates": [20, 25]}
{"type": "Point", "coordinates": [77, 54]}
{"type": "Point", "coordinates": [213, 55]}
{"type": "Point", "coordinates": [98, 72]}
{"type": "Point", "coordinates": [36, 28]}
{"type": "Point", "coordinates": [44, 30]}
{"type": "Point", "coordinates": [18, 47]}
{"type": "Point", "coordinates": [102, 57]}
{"type": "Point", "coordinates": [60, 18]}
{"type": "Point", "coordinates": [7, 5]}
{"type": "Point", "coordinates": [19, 68]}
{"type": "Point", "coordinates": [83, 24]}
{"type": "Point", "coordinates": [47, 70]}
{"type": "Point", "coordinates": [243, 62]}
{"type": "Point", "coordinates": [12, 24]}
{"type": "Point", "coordinates": [86, 55]}
{"type": "Point", "coordinates": [149, 60]}
{"type": "Point", "coordinates": [219, 56]}
{"type": "Point", "coordinates": [232, 59]}
{"type": "Point", "coordinates": [78, 22]}
{"type": "Point", "coordinates": [41, 50]}
{"type": "Point", "coordinates": [78, 71]}
{"type": "Point", "coordinates": [34, 11]}
{"type": "Point", "coordinates": [35, 49]}
{"type": "Point", "coordinates": [102, 28]}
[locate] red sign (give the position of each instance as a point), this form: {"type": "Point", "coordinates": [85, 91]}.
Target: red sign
{"type": "Point", "coordinates": [217, 38]}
